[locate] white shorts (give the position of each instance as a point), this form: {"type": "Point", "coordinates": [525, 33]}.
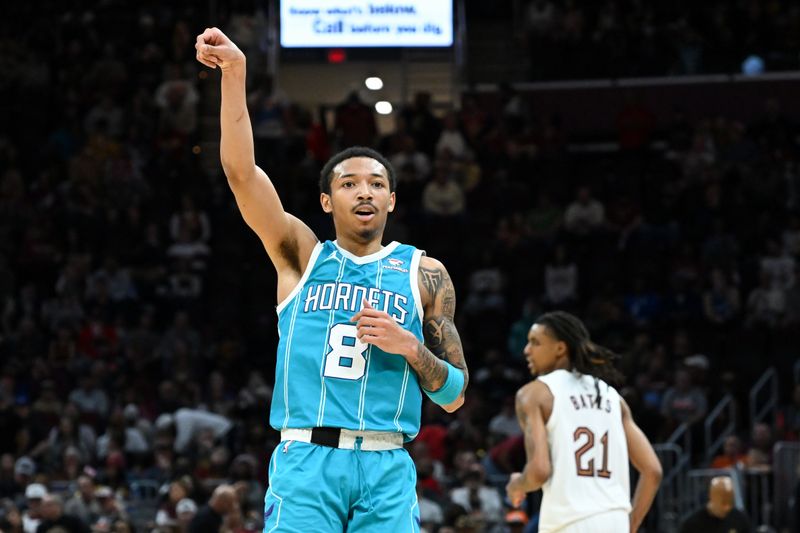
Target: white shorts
{"type": "Point", "coordinates": [607, 522]}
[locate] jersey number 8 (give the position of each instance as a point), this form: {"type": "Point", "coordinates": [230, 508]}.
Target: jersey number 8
{"type": "Point", "coordinates": [347, 358]}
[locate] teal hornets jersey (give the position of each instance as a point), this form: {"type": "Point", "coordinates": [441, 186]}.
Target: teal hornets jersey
{"type": "Point", "coordinates": [325, 376]}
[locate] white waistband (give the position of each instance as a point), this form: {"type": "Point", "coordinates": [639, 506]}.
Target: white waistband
{"type": "Point", "coordinates": [370, 440]}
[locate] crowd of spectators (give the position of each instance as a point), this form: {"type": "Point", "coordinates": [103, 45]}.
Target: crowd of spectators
{"type": "Point", "coordinates": [578, 39]}
{"type": "Point", "coordinates": [137, 311]}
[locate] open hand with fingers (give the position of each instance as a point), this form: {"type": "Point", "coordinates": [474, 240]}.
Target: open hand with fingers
{"type": "Point", "coordinates": [378, 328]}
{"type": "Point", "coordinates": [215, 49]}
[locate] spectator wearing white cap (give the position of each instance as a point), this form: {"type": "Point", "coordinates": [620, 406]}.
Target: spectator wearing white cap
{"type": "Point", "coordinates": [32, 517]}
{"type": "Point", "coordinates": [185, 510]}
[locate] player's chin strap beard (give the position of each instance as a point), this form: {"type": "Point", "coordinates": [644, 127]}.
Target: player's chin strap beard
{"type": "Point", "coordinates": [367, 234]}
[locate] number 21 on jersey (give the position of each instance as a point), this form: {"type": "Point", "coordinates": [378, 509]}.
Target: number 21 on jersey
{"type": "Point", "coordinates": [583, 466]}
{"type": "Point", "coordinates": [347, 358]}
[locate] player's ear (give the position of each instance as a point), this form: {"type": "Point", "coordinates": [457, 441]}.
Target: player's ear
{"type": "Point", "coordinates": [325, 201]}
{"type": "Point", "coordinates": [392, 199]}
{"type": "Point", "coordinates": [561, 348]}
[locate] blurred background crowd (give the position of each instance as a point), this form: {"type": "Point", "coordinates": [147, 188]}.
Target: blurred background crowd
{"type": "Point", "coordinates": [578, 39]}
{"type": "Point", "coordinates": [137, 324]}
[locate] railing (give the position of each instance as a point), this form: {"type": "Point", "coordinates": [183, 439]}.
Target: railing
{"type": "Point", "coordinates": [760, 500]}
{"type": "Point", "coordinates": [682, 436]}
{"type": "Point", "coordinates": [786, 476]}
{"type": "Point", "coordinates": [712, 445]}
{"type": "Point", "coordinates": [674, 482]}
{"type": "Point", "coordinates": [767, 382]}
{"type": "Point", "coordinates": [670, 501]}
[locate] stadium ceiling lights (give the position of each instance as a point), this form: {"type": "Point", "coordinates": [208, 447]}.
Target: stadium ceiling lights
{"type": "Point", "coordinates": [383, 107]}
{"type": "Point", "coordinates": [374, 83]}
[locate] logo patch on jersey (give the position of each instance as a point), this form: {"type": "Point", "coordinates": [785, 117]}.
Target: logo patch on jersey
{"type": "Point", "coordinates": [395, 264]}
{"type": "Point", "coordinates": [269, 511]}
{"type": "Point", "coordinates": [334, 257]}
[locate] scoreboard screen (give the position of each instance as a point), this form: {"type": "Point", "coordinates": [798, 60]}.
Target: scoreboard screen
{"type": "Point", "coordinates": [364, 23]}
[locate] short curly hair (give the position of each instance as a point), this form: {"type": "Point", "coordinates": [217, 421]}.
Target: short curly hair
{"type": "Point", "coordinates": [326, 176]}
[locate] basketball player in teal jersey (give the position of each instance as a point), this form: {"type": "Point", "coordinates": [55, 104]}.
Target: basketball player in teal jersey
{"type": "Point", "coordinates": [365, 329]}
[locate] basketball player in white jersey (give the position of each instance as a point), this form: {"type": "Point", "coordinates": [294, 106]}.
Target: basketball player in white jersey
{"type": "Point", "coordinates": [579, 435]}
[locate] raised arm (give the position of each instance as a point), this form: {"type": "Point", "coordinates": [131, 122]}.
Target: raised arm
{"type": "Point", "coordinates": [287, 240]}
{"type": "Point", "coordinates": [645, 460]}
{"type": "Point", "coordinates": [532, 408]}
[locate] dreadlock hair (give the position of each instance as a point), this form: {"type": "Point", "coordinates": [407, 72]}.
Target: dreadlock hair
{"type": "Point", "coordinates": [586, 356]}
{"type": "Point", "coordinates": [326, 175]}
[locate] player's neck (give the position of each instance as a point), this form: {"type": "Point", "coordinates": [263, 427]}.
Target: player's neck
{"type": "Point", "coordinates": [357, 247]}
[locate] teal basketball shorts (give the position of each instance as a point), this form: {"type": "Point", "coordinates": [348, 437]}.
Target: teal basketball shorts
{"type": "Point", "coordinates": [325, 489]}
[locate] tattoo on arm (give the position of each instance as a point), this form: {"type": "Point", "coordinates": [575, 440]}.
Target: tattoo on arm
{"type": "Point", "coordinates": [431, 371]}
{"type": "Point", "coordinates": [431, 279]}
{"type": "Point", "coordinates": [435, 332]}
{"type": "Point", "coordinates": [449, 304]}
{"type": "Point", "coordinates": [442, 338]}
{"type": "Point", "coordinates": [442, 342]}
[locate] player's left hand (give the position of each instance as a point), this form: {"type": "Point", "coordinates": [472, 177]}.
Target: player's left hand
{"type": "Point", "coordinates": [514, 490]}
{"type": "Point", "coordinates": [215, 49]}
{"type": "Point", "coordinates": [378, 328]}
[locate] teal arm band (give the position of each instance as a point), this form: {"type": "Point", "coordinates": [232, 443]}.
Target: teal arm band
{"type": "Point", "coordinates": [451, 390]}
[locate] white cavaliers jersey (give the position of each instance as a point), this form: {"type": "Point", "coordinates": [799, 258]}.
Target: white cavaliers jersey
{"type": "Point", "coordinates": [588, 451]}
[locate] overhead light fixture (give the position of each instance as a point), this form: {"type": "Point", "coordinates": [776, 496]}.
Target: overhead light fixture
{"type": "Point", "coordinates": [383, 107]}
{"type": "Point", "coordinates": [374, 83]}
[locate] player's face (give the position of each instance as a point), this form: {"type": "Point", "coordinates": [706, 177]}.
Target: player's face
{"type": "Point", "coordinates": [543, 350]}
{"type": "Point", "coordinates": [360, 200]}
